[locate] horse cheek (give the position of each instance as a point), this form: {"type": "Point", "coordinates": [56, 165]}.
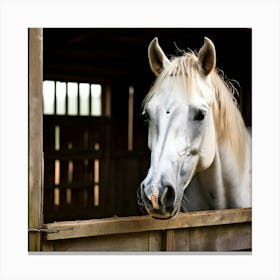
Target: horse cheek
{"type": "Point", "coordinates": [188, 170]}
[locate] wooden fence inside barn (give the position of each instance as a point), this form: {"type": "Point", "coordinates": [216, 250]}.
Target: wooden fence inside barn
{"type": "Point", "coordinates": [79, 199]}
{"type": "Point", "coordinates": [219, 230]}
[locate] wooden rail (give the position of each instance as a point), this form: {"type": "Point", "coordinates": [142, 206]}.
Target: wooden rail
{"type": "Point", "coordinates": [116, 225]}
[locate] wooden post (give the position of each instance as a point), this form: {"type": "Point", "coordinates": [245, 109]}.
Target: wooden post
{"type": "Point", "coordinates": [35, 136]}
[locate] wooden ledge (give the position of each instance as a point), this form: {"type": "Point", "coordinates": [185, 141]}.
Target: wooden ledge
{"type": "Point", "coordinates": [115, 225]}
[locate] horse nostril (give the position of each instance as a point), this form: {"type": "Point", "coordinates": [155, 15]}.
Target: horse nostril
{"type": "Point", "coordinates": [168, 196]}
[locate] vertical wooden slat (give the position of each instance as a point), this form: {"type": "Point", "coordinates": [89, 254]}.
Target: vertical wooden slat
{"type": "Point", "coordinates": [155, 240]}
{"type": "Point", "coordinates": [106, 100]}
{"type": "Point", "coordinates": [170, 240]}
{"type": "Point", "coordinates": [130, 119]}
{"type": "Point", "coordinates": [35, 133]}
{"type": "Point", "coordinates": [183, 239]}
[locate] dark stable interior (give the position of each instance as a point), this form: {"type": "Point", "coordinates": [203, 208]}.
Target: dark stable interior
{"type": "Point", "coordinates": [116, 58]}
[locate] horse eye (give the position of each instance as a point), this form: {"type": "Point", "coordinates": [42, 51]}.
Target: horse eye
{"type": "Point", "coordinates": [146, 116]}
{"type": "Point", "coordinates": [199, 115]}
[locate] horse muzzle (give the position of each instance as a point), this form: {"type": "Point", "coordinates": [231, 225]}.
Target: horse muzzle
{"type": "Point", "coordinates": [159, 200]}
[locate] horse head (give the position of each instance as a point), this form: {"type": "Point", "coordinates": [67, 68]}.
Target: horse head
{"type": "Point", "coordinates": [181, 134]}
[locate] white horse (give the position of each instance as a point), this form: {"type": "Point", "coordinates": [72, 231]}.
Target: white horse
{"type": "Point", "coordinates": [200, 147]}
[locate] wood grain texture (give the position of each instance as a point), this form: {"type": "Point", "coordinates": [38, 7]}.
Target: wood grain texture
{"type": "Point", "coordinates": [35, 133]}
{"type": "Point", "coordinates": [96, 227]}
{"type": "Point", "coordinates": [221, 238]}
{"type": "Point", "coordinates": [170, 240]}
{"type": "Point", "coordinates": [231, 237]}
{"type": "Point", "coordinates": [130, 242]}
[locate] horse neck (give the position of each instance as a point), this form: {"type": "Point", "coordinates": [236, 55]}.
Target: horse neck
{"type": "Point", "coordinates": [236, 175]}
{"type": "Point", "coordinates": [223, 182]}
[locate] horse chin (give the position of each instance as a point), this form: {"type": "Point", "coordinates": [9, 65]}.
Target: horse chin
{"type": "Point", "coordinates": [162, 215]}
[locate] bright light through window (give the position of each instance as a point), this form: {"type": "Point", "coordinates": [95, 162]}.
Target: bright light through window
{"type": "Point", "coordinates": [96, 100]}
{"type": "Point", "coordinates": [60, 98]}
{"type": "Point", "coordinates": [69, 96]}
{"type": "Point", "coordinates": [72, 98]}
{"type": "Point", "coordinates": [84, 99]}
{"type": "Point", "coordinates": [48, 97]}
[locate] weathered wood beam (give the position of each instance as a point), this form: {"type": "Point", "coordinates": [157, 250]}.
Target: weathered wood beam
{"type": "Point", "coordinates": [116, 225]}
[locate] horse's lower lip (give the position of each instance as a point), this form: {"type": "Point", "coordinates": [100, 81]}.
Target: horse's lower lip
{"type": "Point", "coordinates": [156, 214]}
{"type": "Point", "coordinates": [162, 218]}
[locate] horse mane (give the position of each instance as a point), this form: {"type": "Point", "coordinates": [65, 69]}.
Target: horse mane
{"type": "Point", "coordinates": [228, 121]}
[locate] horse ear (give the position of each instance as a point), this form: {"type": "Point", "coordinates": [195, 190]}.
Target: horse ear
{"type": "Point", "coordinates": [207, 56]}
{"type": "Point", "coordinates": [157, 58]}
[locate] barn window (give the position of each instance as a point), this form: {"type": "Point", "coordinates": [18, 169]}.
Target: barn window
{"type": "Point", "coordinates": [96, 99]}
{"type": "Point", "coordinates": [72, 98]}
{"type": "Point", "coordinates": [84, 99]}
{"type": "Point", "coordinates": [60, 98]}
{"type": "Point", "coordinates": [48, 94]}
{"type": "Point", "coordinates": [72, 93]}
